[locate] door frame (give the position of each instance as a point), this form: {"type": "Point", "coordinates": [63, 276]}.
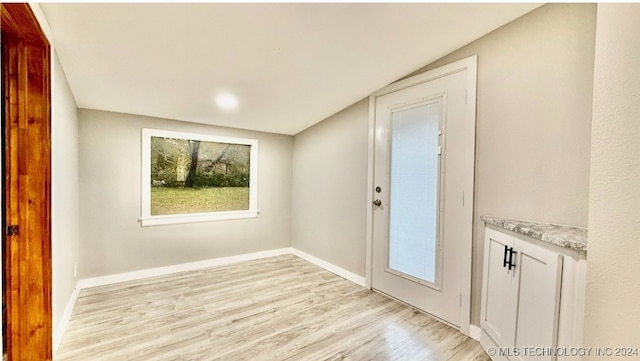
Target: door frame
{"type": "Point", "coordinates": [28, 118]}
{"type": "Point", "coordinates": [470, 65]}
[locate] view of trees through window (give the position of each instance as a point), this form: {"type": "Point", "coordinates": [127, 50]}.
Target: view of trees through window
{"type": "Point", "coordinates": [193, 176]}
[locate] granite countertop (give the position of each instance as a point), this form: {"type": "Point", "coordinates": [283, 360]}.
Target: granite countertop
{"type": "Point", "coordinates": [574, 238]}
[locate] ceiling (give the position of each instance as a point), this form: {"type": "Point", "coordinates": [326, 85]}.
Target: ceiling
{"type": "Point", "coordinates": [289, 65]}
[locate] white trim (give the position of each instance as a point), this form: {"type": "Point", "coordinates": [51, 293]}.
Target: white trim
{"type": "Point", "coordinates": [64, 320]}
{"type": "Point", "coordinates": [370, 193]}
{"type": "Point", "coordinates": [469, 64]}
{"type": "Point", "coordinates": [191, 266]}
{"type": "Point", "coordinates": [146, 219]}
{"type": "Point", "coordinates": [196, 217]}
{"type": "Point", "coordinates": [475, 332]}
{"type": "Point", "coordinates": [348, 275]}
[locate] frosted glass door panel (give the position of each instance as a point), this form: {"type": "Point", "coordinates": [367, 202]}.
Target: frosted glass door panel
{"type": "Point", "coordinates": [414, 193]}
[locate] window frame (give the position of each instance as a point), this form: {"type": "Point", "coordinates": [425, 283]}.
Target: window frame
{"type": "Point", "coordinates": [146, 219]}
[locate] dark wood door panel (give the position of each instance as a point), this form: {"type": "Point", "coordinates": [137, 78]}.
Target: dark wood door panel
{"type": "Point", "coordinates": [27, 185]}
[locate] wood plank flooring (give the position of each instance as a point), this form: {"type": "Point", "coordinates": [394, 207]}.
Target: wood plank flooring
{"type": "Point", "coordinates": [279, 308]}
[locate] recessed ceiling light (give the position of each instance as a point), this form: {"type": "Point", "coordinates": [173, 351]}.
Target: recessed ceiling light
{"type": "Point", "coordinates": [227, 101]}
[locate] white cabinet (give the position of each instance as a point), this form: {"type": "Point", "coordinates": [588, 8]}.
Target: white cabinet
{"type": "Point", "coordinates": [521, 297]}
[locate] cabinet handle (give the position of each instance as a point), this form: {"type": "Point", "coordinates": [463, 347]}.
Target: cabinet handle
{"type": "Point", "coordinates": [512, 259]}
{"type": "Point", "coordinates": [508, 257]}
{"type": "Point", "coordinates": [504, 258]}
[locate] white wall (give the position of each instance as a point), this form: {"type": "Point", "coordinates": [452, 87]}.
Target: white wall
{"type": "Point", "coordinates": [534, 96]}
{"type": "Point", "coordinates": [330, 189]}
{"type": "Point", "coordinates": [613, 272]}
{"type": "Point", "coordinates": [64, 193]}
{"type": "Point", "coordinates": [534, 100]}
{"type": "Point", "coordinates": [113, 240]}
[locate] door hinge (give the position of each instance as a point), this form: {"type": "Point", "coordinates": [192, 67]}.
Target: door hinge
{"type": "Point", "coordinates": [13, 230]}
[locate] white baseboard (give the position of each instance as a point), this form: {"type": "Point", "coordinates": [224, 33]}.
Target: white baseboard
{"type": "Point", "coordinates": [64, 320]}
{"type": "Point", "coordinates": [191, 266]}
{"type": "Point", "coordinates": [359, 280]}
{"type": "Point", "coordinates": [474, 332]}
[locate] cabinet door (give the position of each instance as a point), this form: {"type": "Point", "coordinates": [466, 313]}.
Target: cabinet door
{"type": "Point", "coordinates": [498, 305]}
{"type": "Point", "coordinates": [538, 272]}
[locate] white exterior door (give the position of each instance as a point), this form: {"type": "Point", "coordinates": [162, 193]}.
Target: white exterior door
{"type": "Point", "coordinates": [423, 193]}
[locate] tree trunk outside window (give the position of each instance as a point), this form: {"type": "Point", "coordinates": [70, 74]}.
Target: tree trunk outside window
{"type": "Point", "coordinates": [191, 177]}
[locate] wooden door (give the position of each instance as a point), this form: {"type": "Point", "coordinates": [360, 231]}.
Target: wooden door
{"type": "Point", "coordinates": [27, 183]}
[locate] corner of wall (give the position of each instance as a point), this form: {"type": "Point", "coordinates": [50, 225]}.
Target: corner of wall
{"type": "Point", "coordinates": [329, 183]}
{"type": "Point", "coordinates": [64, 195]}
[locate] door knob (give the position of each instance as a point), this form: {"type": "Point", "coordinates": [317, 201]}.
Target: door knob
{"type": "Point", "coordinates": [377, 203]}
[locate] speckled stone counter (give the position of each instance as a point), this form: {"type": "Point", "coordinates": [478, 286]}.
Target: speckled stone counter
{"type": "Point", "coordinates": [574, 238]}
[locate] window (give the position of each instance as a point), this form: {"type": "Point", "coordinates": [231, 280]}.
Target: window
{"type": "Point", "coordinates": [193, 177]}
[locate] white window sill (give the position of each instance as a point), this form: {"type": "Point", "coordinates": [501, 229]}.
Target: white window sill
{"type": "Point", "coordinates": [195, 217]}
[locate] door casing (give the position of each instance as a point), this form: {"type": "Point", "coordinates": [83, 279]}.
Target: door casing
{"type": "Point", "coordinates": [26, 183]}
{"type": "Point", "coordinates": [470, 65]}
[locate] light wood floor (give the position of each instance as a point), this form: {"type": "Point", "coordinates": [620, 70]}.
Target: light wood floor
{"type": "Point", "coordinates": [280, 308]}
